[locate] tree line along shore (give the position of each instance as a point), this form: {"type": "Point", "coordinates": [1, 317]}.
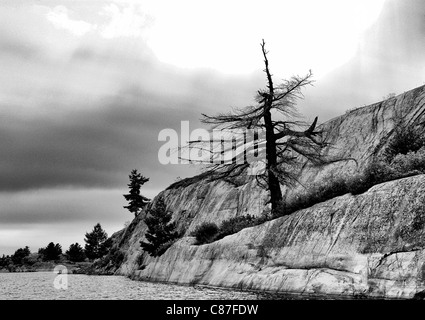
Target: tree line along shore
{"type": "Point", "coordinates": [76, 259]}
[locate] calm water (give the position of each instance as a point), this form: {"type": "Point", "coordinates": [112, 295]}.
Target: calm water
{"type": "Point", "coordinates": [41, 285]}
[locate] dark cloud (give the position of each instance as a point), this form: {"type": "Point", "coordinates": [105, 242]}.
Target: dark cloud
{"type": "Point", "coordinates": [87, 111]}
{"type": "Point", "coordinates": [97, 145]}
{"type": "Point", "coordinates": [58, 138]}
{"type": "Point", "coordinates": [90, 148]}
{"type": "Point", "coordinates": [62, 206]}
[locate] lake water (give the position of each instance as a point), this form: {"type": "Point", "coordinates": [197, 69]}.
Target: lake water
{"type": "Point", "coordinates": [51, 286]}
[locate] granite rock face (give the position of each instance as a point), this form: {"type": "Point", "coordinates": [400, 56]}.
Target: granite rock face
{"type": "Point", "coordinates": [371, 244]}
{"type": "Point", "coordinates": [362, 134]}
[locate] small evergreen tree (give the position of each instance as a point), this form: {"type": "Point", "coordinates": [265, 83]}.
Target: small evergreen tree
{"type": "Point", "coordinates": [95, 242]}
{"type": "Point", "coordinates": [105, 247]}
{"type": "Point", "coordinates": [161, 232]}
{"type": "Point", "coordinates": [51, 252]}
{"type": "Point", "coordinates": [136, 202]}
{"type": "Point", "coordinates": [76, 253]}
{"type": "Point", "coordinates": [5, 261]}
{"type": "Point", "coordinates": [20, 254]}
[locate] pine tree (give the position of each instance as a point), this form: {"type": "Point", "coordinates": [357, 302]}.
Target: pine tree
{"type": "Point", "coordinates": [161, 232]}
{"type": "Point", "coordinates": [20, 254]}
{"type": "Point", "coordinates": [51, 252]}
{"type": "Point", "coordinates": [95, 242]}
{"type": "Point", "coordinates": [136, 201]}
{"type": "Point", "coordinates": [76, 253]}
{"type": "Point", "coordinates": [5, 261]}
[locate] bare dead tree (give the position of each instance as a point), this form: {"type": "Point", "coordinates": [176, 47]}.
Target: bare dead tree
{"type": "Point", "coordinates": [288, 141]}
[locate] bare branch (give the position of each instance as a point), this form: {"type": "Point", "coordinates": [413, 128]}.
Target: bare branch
{"type": "Point", "coordinates": [293, 87]}
{"type": "Point", "coordinates": [309, 133]}
{"type": "Point", "coordinates": [290, 143]}
{"type": "Point", "coordinates": [269, 76]}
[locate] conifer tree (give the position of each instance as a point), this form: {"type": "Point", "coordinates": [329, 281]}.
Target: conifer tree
{"type": "Point", "coordinates": [96, 242]}
{"type": "Point", "coordinates": [161, 231]}
{"type": "Point", "coordinates": [20, 254]}
{"type": "Point", "coordinates": [136, 201]}
{"type": "Point", "coordinates": [51, 252]}
{"type": "Point", "coordinates": [76, 253]}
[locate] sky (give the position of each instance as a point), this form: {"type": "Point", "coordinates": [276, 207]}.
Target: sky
{"type": "Point", "coordinates": [86, 87]}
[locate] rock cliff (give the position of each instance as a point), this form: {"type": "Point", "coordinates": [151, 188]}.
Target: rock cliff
{"type": "Point", "coordinates": [372, 244]}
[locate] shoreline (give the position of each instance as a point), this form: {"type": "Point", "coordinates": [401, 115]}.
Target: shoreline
{"type": "Point", "coordinates": [273, 295]}
{"type": "Point", "coordinates": [261, 294]}
{"type": "Point", "coordinates": [72, 267]}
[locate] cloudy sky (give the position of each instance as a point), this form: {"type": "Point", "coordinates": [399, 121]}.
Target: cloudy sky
{"type": "Point", "coordinates": [86, 86]}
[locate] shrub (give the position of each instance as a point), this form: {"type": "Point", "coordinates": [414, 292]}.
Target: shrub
{"type": "Point", "coordinates": [357, 184]}
{"type": "Point", "coordinates": [412, 162]}
{"type": "Point", "coordinates": [209, 232]}
{"type": "Point", "coordinates": [30, 260]}
{"type": "Point", "coordinates": [111, 261]}
{"type": "Point", "coordinates": [316, 193]}
{"type": "Point", "coordinates": [402, 165]}
{"type": "Point", "coordinates": [206, 233]}
{"type": "Point", "coordinates": [378, 171]}
{"type": "Point", "coordinates": [389, 96]}
{"type": "Point", "coordinates": [117, 257]}
{"type": "Point", "coordinates": [334, 189]}
{"type": "Point", "coordinates": [236, 224]}
{"type": "Point", "coordinates": [406, 139]}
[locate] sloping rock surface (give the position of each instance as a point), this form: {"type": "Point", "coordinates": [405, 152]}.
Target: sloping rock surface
{"type": "Point", "coordinates": [366, 245]}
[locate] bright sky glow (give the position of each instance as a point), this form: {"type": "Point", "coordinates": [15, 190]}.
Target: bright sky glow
{"type": "Point", "coordinates": [225, 35]}
{"type": "Point", "coordinates": [59, 18]}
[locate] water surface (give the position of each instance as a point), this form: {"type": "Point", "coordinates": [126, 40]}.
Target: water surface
{"type": "Point", "coordinates": [41, 286]}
